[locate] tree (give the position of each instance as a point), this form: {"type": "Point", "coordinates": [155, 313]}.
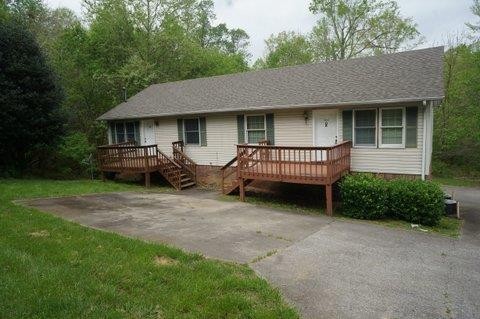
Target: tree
{"type": "Point", "coordinates": [457, 121]}
{"type": "Point", "coordinates": [476, 11]}
{"type": "Point", "coordinates": [30, 99]}
{"type": "Point", "coordinates": [284, 49]}
{"type": "Point", "coordinates": [350, 28]}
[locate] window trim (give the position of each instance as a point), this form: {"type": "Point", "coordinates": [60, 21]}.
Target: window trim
{"type": "Point", "coordinates": [354, 128]}
{"type": "Point", "coordinates": [113, 135]}
{"type": "Point", "coordinates": [185, 132]}
{"type": "Point", "coordinates": [381, 127]}
{"type": "Point", "coordinates": [256, 129]}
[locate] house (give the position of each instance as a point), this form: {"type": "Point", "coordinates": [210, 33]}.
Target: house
{"type": "Point", "coordinates": [320, 121]}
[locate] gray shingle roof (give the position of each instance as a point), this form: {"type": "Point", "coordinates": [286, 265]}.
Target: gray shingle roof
{"type": "Point", "coordinates": [399, 77]}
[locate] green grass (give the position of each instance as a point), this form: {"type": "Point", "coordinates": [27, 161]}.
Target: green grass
{"type": "Point", "coordinates": [51, 268]}
{"type": "Point", "coordinates": [463, 182]}
{"type": "Point", "coordinates": [448, 226]}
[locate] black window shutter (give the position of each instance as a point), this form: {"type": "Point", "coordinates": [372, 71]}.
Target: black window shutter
{"type": "Point", "coordinates": [270, 128]}
{"type": "Point", "coordinates": [203, 131]}
{"type": "Point", "coordinates": [412, 119]}
{"type": "Point", "coordinates": [241, 129]}
{"type": "Point", "coordinates": [180, 129]}
{"type": "Point", "coordinates": [347, 120]}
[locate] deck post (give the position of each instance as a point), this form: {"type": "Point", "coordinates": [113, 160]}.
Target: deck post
{"type": "Point", "coordinates": [328, 192]}
{"type": "Point", "coordinates": [242, 189]}
{"type": "Point", "coordinates": [147, 179]}
{"type": "Point", "coordinates": [104, 177]}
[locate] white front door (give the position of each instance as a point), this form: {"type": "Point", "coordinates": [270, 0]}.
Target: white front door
{"type": "Point", "coordinates": [325, 127]}
{"type": "Point", "coordinates": [148, 132]}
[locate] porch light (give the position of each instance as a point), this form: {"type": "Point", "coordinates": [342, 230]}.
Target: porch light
{"type": "Point", "coordinates": [305, 115]}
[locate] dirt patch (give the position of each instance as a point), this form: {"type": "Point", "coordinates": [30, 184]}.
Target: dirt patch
{"type": "Point", "coordinates": [164, 261]}
{"type": "Point", "coordinates": [41, 233]}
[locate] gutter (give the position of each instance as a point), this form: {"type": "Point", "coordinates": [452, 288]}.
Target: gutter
{"type": "Point", "coordinates": [424, 139]}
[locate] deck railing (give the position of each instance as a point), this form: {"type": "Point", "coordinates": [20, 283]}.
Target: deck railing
{"type": "Point", "coordinates": [127, 157]}
{"type": "Point", "coordinates": [307, 165]}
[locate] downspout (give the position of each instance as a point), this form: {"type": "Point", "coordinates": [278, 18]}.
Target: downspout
{"type": "Point", "coordinates": [424, 139]}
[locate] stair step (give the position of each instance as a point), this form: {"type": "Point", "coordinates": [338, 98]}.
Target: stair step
{"type": "Point", "coordinates": [186, 179]}
{"type": "Point", "coordinates": [188, 184]}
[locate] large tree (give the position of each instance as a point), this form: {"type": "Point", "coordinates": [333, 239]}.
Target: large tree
{"type": "Point", "coordinates": [30, 99]}
{"type": "Point", "coordinates": [285, 49]}
{"type": "Point", "coordinates": [350, 28]}
{"type": "Point", "coordinates": [475, 27]}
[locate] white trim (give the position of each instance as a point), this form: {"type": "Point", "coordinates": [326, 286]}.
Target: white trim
{"type": "Point", "coordinates": [424, 139]}
{"type": "Point", "coordinates": [380, 128]}
{"type": "Point", "coordinates": [199, 132]}
{"type": "Point", "coordinates": [245, 116]}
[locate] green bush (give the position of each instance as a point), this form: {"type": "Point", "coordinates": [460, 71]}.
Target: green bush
{"type": "Point", "coordinates": [364, 196]}
{"type": "Point", "coordinates": [74, 155]}
{"type": "Point", "coordinates": [415, 201]}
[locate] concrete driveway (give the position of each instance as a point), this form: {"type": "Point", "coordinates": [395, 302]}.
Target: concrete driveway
{"type": "Point", "coordinates": [326, 267]}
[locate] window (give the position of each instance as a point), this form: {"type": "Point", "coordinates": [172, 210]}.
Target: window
{"type": "Point", "coordinates": [396, 127]}
{"type": "Point", "coordinates": [121, 132]}
{"type": "Point", "coordinates": [191, 131]}
{"type": "Point", "coordinates": [365, 127]}
{"type": "Point", "coordinates": [392, 127]}
{"type": "Point", "coordinates": [255, 128]}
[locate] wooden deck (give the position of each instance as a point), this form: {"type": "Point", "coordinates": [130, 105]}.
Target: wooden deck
{"type": "Point", "coordinates": [179, 171]}
{"type": "Point", "coordinates": [301, 165]}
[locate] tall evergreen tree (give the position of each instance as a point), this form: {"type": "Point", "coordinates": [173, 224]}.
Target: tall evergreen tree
{"type": "Point", "coordinates": [30, 99]}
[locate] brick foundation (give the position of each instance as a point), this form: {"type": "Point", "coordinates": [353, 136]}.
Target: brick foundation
{"type": "Point", "coordinates": [209, 176]}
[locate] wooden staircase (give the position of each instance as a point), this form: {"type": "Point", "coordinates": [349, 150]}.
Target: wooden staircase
{"type": "Point", "coordinates": [230, 182]}
{"type": "Point", "coordinates": [180, 171]}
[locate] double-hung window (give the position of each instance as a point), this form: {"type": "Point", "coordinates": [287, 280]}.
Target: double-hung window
{"type": "Point", "coordinates": [392, 127]}
{"type": "Point", "coordinates": [255, 128]}
{"type": "Point", "coordinates": [365, 128]}
{"type": "Point", "coordinates": [191, 131]}
{"type": "Point", "coordinates": [121, 132]}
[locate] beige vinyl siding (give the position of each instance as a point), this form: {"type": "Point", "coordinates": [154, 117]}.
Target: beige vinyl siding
{"type": "Point", "coordinates": [388, 160]}
{"type": "Point", "coordinates": [291, 128]}
{"type": "Point", "coordinates": [221, 139]}
{"type": "Point", "coordinates": [166, 133]}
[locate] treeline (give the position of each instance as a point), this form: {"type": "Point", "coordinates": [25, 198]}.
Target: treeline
{"type": "Point", "coordinates": [115, 45]}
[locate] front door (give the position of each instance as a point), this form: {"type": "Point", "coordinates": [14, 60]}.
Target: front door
{"type": "Point", "coordinates": [325, 127]}
{"type": "Point", "coordinates": [148, 132]}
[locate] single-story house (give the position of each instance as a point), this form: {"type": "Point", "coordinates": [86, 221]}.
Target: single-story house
{"type": "Point", "coordinates": [382, 105]}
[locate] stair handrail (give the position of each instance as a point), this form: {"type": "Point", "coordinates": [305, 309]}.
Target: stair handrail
{"type": "Point", "coordinates": [184, 160]}
{"type": "Point", "coordinates": [174, 177]}
{"type": "Point", "coordinates": [232, 161]}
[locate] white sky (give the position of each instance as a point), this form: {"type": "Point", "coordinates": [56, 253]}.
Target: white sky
{"type": "Point", "coordinates": [436, 19]}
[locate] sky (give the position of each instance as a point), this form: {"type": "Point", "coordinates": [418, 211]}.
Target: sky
{"type": "Point", "coordinates": [436, 19]}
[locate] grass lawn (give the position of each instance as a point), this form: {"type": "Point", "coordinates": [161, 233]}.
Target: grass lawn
{"type": "Point", "coordinates": [463, 182]}
{"type": "Point", "coordinates": [51, 268]}
{"type": "Point", "coordinates": [448, 226]}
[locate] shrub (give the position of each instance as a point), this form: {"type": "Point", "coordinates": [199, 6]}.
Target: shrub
{"type": "Point", "coordinates": [74, 155]}
{"type": "Point", "coordinates": [415, 201]}
{"type": "Point", "coordinates": [364, 196]}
